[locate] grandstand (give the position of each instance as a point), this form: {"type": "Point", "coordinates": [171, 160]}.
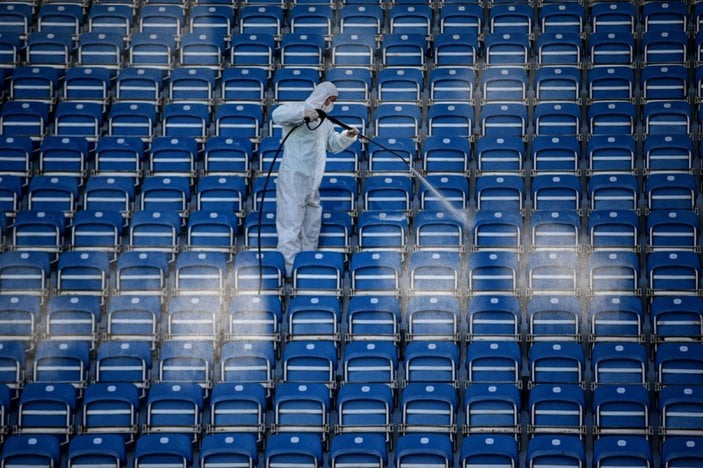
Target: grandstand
{"type": "Point", "coordinates": [527, 294]}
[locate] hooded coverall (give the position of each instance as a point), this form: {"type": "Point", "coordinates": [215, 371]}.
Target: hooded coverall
{"type": "Point", "coordinates": [298, 210]}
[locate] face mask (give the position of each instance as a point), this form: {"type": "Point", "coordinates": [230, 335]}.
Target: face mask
{"type": "Point", "coordinates": [327, 107]}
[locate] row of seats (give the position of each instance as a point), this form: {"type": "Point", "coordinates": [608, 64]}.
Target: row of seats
{"type": "Point", "coordinates": [352, 450]}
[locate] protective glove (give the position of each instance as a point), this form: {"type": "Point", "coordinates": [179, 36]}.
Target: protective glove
{"type": "Point", "coordinates": [310, 114]}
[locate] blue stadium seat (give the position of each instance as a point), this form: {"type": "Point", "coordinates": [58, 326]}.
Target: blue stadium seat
{"type": "Point", "coordinates": [111, 18]}
{"type": "Point", "coordinates": [370, 362]}
{"type": "Point", "coordinates": [511, 19]}
{"type": "Point", "coordinates": [202, 49]}
{"type": "Point", "coordinates": [504, 84]}
{"type": "Point", "coordinates": [613, 192]}
{"type": "Point", "coordinates": [559, 48]}
{"type": "Point", "coordinates": [619, 364]}
{"type": "Point", "coordinates": [611, 48]}
{"type": "Point", "coordinates": [667, 117]}
{"type": "Point", "coordinates": [235, 450]}
{"type": "Point", "coordinates": [39, 231]}
{"type": "Point", "coordinates": [373, 318]}
{"type": "Point", "coordinates": [91, 450]}
{"type": "Point", "coordinates": [247, 272]}
{"type": "Point", "coordinates": [438, 230]}
{"type": "Point", "coordinates": [120, 362]}
{"type": "Point", "coordinates": [560, 119]}
{"type": "Point", "coordinates": [493, 318]}
{"type": "Point", "coordinates": [499, 154]}
{"type": "Point", "coordinates": [24, 272]}
{"type": "Point", "coordinates": [236, 408]}
{"type": "Point", "coordinates": [612, 118]}
{"type": "Point", "coordinates": [221, 194]}
{"type": "Point", "coordinates": [214, 19]}
{"type": "Point", "coordinates": [171, 156]}
{"type": "Point", "coordinates": [227, 156]}
{"type": "Point", "coordinates": [139, 84]}
{"type": "Point", "coordinates": [659, 46]}
{"type": "Point", "coordinates": [428, 408]}
{"type": "Point", "coordinates": [556, 362]}
{"type": "Point", "coordinates": [388, 193]}
{"type": "Point", "coordinates": [681, 451]}
{"type": "Point", "coordinates": [556, 192]}
{"type": "Point", "coordinates": [381, 160]}
{"type": "Point", "coordinates": [10, 48]}
{"type": "Point", "coordinates": [507, 49]}
{"type": "Point", "coordinates": [101, 49]}
{"type": "Point", "coordinates": [357, 450]}
{"type": "Point", "coordinates": [607, 17]}
{"type": "Point", "coordinates": [619, 409]}
{"type": "Point", "coordinates": [186, 120]}
{"type": "Point", "coordinates": [433, 317]}
{"type": "Point", "coordinates": [311, 19]}
{"type": "Point", "coordinates": [154, 231]}
{"type": "Point", "coordinates": [15, 157]}
{"type": "Point", "coordinates": [314, 318]}
{"type": "Point", "coordinates": [364, 20]}
{"type": "Point", "coordinates": [397, 121]}
{"type": "Point", "coordinates": [174, 408]}
{"type": "Point", "coordinates": [506, 119]}
{"type": "Point", "coordinates": [424, 450]}
{"type": "Point", "coordinates": [488, 450]}
{"type": "Point", "coordinates": [297, 449]}
{"type": "Point", "coordinates": [375, 272]}
{"type": "Point", "coordinates": [141, 273]}
{"type": "Point", "coordinates": [611, 83]}
{"type": "Point", "coordinates": [353, 84]}
{"type": "Point", "coordinates": [450, 120]}
{"type": "Point", "coordinates": [193, 315]}
{"type": "Point", "coordinates": [310, 361]}
{"type": "Point", "coordinates": [680, 409]}
{"type": "Point", "coordinates": [365, 408]}
{"type": "Point", "coordinates": [19, 319]}
{"type": "Point", "coordinates": [303, 50]}
{"type": "Point", "coordinates": [679, 364]}
{"type": "Point", "coordinates": [500, 193]}
{"type": "Point", "coordinates": [553, 318]}
{"type": "Point", "coordinates": [431, 362]}
{"type": "Point", "coordinates": [339, 193]}
{"type": "Point", "coordinates": [131, 119]}
{"type": "Point", "coordinates": [243, 362]}
{"type": "Point", "coordinates": [254, 317]}
{"type": "Point", "coordinates": [110, 408]}
{"type": "Point", "coordinates": [32, 449]}
{"type": "Point", "coordinates": [266, 19]}
{"type": "Point", "coordinates": [17, 18]}
{"type": "Point", "coordinates": [14, 364]}
{"type": "Point", "coordinates": [676, 318]}
{"type": "Point", "coordinates": [163, 194]}
{"type": "Point", "coordinates": [301, 408]}
{"type": "Point", "coordinates": [553, 272]}
{"type": "Point", "coordinates": [191, 85]}
{"type": "Point", "coordinates": [293, 84]}
{"type": "Point", "coordinates": [616, 318]}
{"type": "Point", "coordinates": [555, 230]}
{"type": "Point", "coordinates": [403, 50]}
{"type": "Point", "coordinates": [75, 317]}
{"type": "Point", "coordinates": [254, 50]}
{"type": "Point", "coordinates": [50, 49]}
{"type": "Point", "coordinates": [402, 85]}
{"type": "Point", "coordinates": [493, 362]}
{"type": "Point", "coordinates": [673, 273]}
{"type": "Point", "coordinates": [153, 49]}
{"type": "Point", "coordinates": [613, 273]}
{"type": "Point", "coordinates": [34, 84]}
{"type": "Point", "coordinates": [186, 361]}
{"type": "Point", "coordinates": [557, 84]}
{"type": "Point", "coordinates": [88, 84]}
{"type": "Point", "coordinates": [166, 20]}
{"type": "Point", "coordinates": [410, 19]}
{"type": "Point", "coordinates": [163, 449]}
{"type": "Point", "coordinates": [435, 273]}
{"type": "Point", "coordinates": [492, 408]}
{"type": "Point", "coordinates": [244, 84]}
{"type": "Point", "coordinates": [562, 18]}
{"type": "Point", "coordinates": [548, 450]}
{"type": "Point", "coordinates": [493, 272]}
{"type": "Point", "coordinates": [669, 82]}
{"type": "Point", "coordinates": [557, 409]}
{"type": "Point", "coordinates": [265, 227]}
{"type": "Point", "coordinates": [461, 18]}
{"type": "Point", "coordinates": [109, 195]}
{"type": "Point", "coordinates": [24, 119]}
{"type": "Point", "coordinates": [133, 317]}
{"type": "Point", "coordinates": [53, 194]}
{"type": "Point", "coordinates": [666, 153]}
{"type": "Point", "coordinates": [622, 450]}
{"type": "Point", "coordinates": [61, 362]}
{"type": "Point", "coordinates": [459, 50]}
{"type": "Point", "coordinates": [613, 230]}
{"type": "Point", "coordinates": [320, 273]}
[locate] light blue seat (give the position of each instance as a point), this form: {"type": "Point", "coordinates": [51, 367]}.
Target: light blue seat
{"type": "Point", "coordinates": [110, 408]}
{"type": "Point", "coordinates": [555, 230]}
{"type": "Point", "coordinates": [376, 272]}
{"type": "Point", "coordinates": [560, 362]}
{"type": "Point", "coordinates": [493, 272]}
{"type": "Point", "coordinates": [492, 408]}
{"type": "Point", "coordinates": [619, 409]}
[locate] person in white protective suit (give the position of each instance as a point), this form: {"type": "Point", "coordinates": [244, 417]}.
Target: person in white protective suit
{"type": "Point", "coordinates": [298, 210]}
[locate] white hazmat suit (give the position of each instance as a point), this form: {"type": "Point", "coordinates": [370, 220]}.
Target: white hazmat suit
{"type": "Point", "coordinates": [298, 210]}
